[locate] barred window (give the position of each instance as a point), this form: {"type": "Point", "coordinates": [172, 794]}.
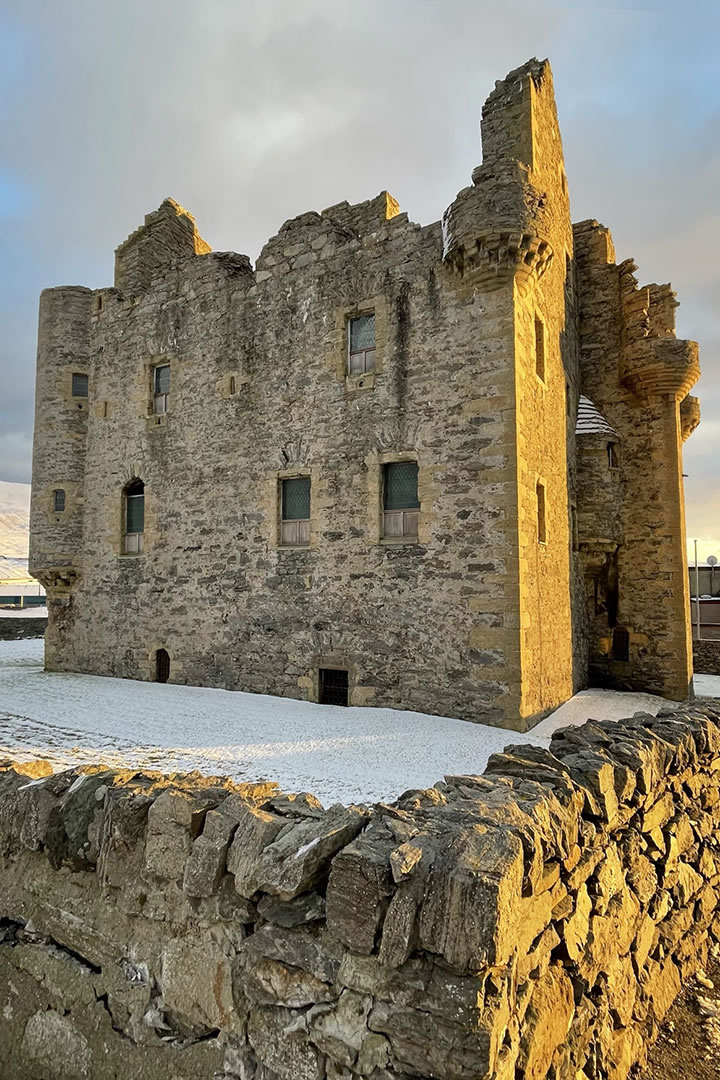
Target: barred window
{"type": "Point", "coordinates": [79, 384]}
{"type": "Point", "coordinates": [134, 518]}
{"type": "Point", "coordinates": [361, 344]}
{"type": "Point", "coordinates": [295, 511]}
{"type": "Point", "coordinates": [401, 506]}
{"type": "Point", "coordinates": [58, 500]}
{"type": "Point", "coordinates": [161, 388]}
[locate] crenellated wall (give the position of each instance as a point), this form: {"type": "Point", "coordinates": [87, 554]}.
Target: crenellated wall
{"type": "Point", "coordinates": [537, 921]}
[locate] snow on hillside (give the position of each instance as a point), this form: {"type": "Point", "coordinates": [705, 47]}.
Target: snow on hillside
{"type": "Point", "coordinates": [338, 754]}
{"type": "Point", "coordinates": [14, 520]}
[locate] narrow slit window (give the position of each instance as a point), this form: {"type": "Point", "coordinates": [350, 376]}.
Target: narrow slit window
{"type": "Point", "coordinates": [134, 518]}
{"type": "Point", "coordinates": [232, 384]}
{"type": "Point", "coordinates": [541, 523]}
{"type": "Point", "coordinates": [612, 454]}
{"type": "Point", "coordinates": [401, 505]}
{"type": "Point", "coordinates": [361, 344]}
{"type": "Point", "coordinates": [161, 388]}
{"type": "Point", "coordinates": [539, 348]}
{"type": "Point", "coordinates": [295, 511]}
{"type": "Point", "coordinates": [79, 384]}
{"type": "Point", "coordinates": [59, 500]}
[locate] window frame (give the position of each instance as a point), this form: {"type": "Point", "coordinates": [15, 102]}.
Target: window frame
{"type": "Point", "coordinates": [399, 524]}
{"type": "Point", "coordinates": [79, 375]}
{"type": "Point", "coordinates": [160, 399]}
{"type": "Point", "coordinates": [541, 511]}
{"type": "Point", "coordinates": [294, 532]}
{"type": "Point", "coordinates": [369, 356]}
{"type": "Point", "coordinates": [133, 542]}
{"type": "Point", "coordinates": [59, 492]}
{"type": "Point", "coordinates": [613, 457]}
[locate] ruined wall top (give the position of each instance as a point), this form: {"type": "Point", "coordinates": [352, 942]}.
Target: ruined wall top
{"type": "Point", "coordinates": [168, 233]}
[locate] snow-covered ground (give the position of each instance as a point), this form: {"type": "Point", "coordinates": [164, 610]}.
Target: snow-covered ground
{"type": "Point", "coordinates": [340, 755]}
{"type": "Point", "coordinates": [31, 612]}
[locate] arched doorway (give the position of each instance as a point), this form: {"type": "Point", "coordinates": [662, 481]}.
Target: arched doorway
{"type": "Point", "coordinates": [162, 666]}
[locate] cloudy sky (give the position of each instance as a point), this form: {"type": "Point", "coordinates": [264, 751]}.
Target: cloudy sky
{"type": "Point", "coordinates": [251, 111]}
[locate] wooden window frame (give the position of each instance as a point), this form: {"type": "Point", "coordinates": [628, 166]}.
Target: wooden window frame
{"type": "Point", "coordinates": [160, 401]}
{"type": "Point", "coordinates": [368, 361]}
{"type": "Point", "coordinates": [400, 525]}
{"type": "Point", "coordinates": [294, 532]}
{"type": "Point", "coordinates": [133, 543]}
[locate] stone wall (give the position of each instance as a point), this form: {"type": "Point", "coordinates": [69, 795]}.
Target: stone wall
{"type": "Point", "coordinates": [706, 657]}
{"type": "Point", "coordinates": [15, 628]}
{"type": "Point", "coordinates": [537, 921]}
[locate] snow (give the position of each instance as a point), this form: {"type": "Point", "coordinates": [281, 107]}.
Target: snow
{"type": "Point", "coordinates": [338, 754]}
{"type": "Point", "coordinates": [32, 612]}
{"type": "Point", "coordinates": [707, 686]}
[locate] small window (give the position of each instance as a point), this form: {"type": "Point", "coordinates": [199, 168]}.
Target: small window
{"type": "Point", "coordinates": [232, 384]}
{"type": "Point", "coordinates": [539, 348]}
{"type": "Point", "coordinates": [161, 388]}
{"type": "Point", "coordinates": [612, 454]}
{"type": "Point", "coordinates": [134, 518]}
{"type": "Point", "coordinates": [333, 687]}
{"type": "Point", "coordinates": [401, 506]}
{"type": "Point", "coordinates": [79, 385]}
{"type": "Point", "coordinates": [58, 500]}
{"type": "Point", "coordinates": [361, 345]}
{"type": "Point", "coordinates": [621, 644]}
{"type": "Point", "coordinates": [541, 525]}
{"type": "Point", "coordinates": [295, 511]}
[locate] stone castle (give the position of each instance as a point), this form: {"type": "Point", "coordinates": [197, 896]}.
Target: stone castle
{"type": "Point", "coordinates": [428, 467]}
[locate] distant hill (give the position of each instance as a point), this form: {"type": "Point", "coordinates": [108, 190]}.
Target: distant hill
{"type": "Point", "coordinates": [14, 520]}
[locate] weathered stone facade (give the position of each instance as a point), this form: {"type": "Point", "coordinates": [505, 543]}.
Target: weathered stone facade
{"type": "Point", "coordinates": [534, 922]}
{"type": "Point", "coordinates": [488, 327]}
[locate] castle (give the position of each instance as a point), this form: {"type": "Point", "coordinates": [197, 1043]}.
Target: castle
{"type": "Point", "coordinates": [427, 467]}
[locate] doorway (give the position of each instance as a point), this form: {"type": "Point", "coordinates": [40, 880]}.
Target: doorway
{"type": "Point", "coordinates": [162, 666]}
{"type": "Point", "coordinates": [333, 686]}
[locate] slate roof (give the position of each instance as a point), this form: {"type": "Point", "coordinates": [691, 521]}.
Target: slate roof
{"type": "Point", "coordinates": [590, 421]}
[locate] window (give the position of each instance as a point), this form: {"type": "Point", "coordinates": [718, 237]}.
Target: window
{"type": "Point", "coordinates": [612, 454]}
{"type": "Point", "coordinates": [361, 344]}
{"type": "Point", "coordinates": [295, 511]}
{"type": "Point", "coordinates": [333, 687]}
{"type": "Point", "coordinates": [134, 517]}
{"type": "Point", "coordinates": [541, 526]}
{"type": "Point", "coordinates": [621, 644]}
{"type": "Point", "coordinates": [58, 500]}
{"type": "Point", "coordinates": [79, 385]}
{"type": "Point", "coordinates": [161, 388]}
{"type": "Point", "coordinates": [539, 348]}
{"type": "Point", "coordinates": [401, 506]}
{"type": "Point", "coordinates": [232, 384]}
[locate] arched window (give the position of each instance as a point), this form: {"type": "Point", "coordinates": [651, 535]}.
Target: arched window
{"type": "Point", "coordinates": [134, 517]}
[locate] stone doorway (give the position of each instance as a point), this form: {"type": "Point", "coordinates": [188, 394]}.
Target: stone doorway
{"type": "Point", "coordinates": [333, 686]}
{"type": "Point", "coordinates": [162, 666]}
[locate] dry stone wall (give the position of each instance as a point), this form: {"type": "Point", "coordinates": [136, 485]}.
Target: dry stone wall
{"type": "Point", "coordinates": [706, 657]}
{"type": "Point", "coordinates": [16, 628]}
{"type": "Point", "coordinates": [536, 921]}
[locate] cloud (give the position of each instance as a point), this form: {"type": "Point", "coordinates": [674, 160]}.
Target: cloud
{"type": "Point", "coordinates": [251, 111]}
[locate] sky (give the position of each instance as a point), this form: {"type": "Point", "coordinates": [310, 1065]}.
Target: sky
{"type": "Point", "coordinates": [249, 112]}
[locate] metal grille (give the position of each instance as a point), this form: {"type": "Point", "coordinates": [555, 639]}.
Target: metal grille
{"type": "Point", "coordinates": [59, 497]}
{"type": "Point", "coordinates": [79, 385]}
{"type": "Point", "coordinates": [333, 686]}
{"type": "Point", "coordinates": [620, 644]}
{"type": "Point", "coordinates": [361, 345]}
{"type": "Point", "coordinates": [362, 333]}
{"type": "Point", "coordinates": [296, 498]}
{"type": "Point", "coordinates": [401, 486]}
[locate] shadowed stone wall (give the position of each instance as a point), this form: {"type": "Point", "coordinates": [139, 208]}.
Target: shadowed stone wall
{"type": "Point", "coordinates": [537, 921]}
{"type": "Point", "coordinates": [12, 629]}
